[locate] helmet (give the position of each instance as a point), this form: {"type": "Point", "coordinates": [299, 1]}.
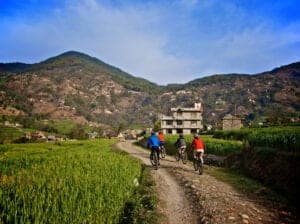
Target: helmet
{"type": "Point", "coordinates": [195, 135]}
{"type": "Point", "coordinates": [153, 133]}
{"type": "Point", "coordinates": [181, 135]}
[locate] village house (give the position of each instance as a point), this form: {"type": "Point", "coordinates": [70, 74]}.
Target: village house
{"type": "Point", "coordinates": [51, 138]}
{"type": "Point", "coordinates": [183, 120]}
{"type": "Point", "coordinates": [131, 134]}
{"type": "Point", "coordinates": [15, 125]}
{"type": "Point", "coordinates": [230, 122]}
{"type": "Point", "coordinates": [38, 135]}
{"type": "Point", "coordinates": [93, 135]}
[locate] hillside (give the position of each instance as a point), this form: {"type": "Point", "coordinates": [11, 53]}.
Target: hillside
{"type": "Point", "coordinates": [76, 86]}
{"type": "Point", "coordinates": [274, 94]}
{"type": "Point", "coordinates": [79, 87]}
{"type": "Point", "coordinates": [10, 68]}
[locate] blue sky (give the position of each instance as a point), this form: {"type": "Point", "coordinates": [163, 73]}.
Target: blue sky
{"type": "Point", "coordinates": [164, 41]}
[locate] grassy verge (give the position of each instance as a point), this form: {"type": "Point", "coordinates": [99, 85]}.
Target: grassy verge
{"type": "Point", "coordinates": [141, 207]}
{"type": "Point", "coordinates": [245, 184]}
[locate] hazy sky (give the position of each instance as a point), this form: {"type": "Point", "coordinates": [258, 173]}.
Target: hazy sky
{"type": "Point", "coordinates": [164, 41]}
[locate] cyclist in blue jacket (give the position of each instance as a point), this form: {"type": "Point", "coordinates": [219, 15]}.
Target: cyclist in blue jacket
{"type": "Point", "coordinates": [153, 144]}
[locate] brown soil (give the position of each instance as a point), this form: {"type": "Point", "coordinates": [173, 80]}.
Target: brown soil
{"type": "Point", "coordinates": [10, 111]}
{"type": "Point", "coordinates": [187, 197]}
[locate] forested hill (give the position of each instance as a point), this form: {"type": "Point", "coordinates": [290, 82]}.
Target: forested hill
{"type": "Point", "coordinates": [10, 68]}
{"type": "Point", "coordinates": [76, 86]}
{"type": "Point", "coordinates": [273, 94]}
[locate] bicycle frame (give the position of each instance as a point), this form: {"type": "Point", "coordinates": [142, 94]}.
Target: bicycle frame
{"type": "Point", "coordinates": [154, 157]}
{"type": "Point", "coordinates": [181, 154]}
{"type": "Point", "coordinates": [198, 164]}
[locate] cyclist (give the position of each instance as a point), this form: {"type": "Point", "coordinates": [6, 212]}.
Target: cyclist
{"type": "Point", "coordinates": [180, 144]}
{"type": "Point", "coordinates": [153, 144]}
{"type": "Point", "coordinates": [161, 138]}
{"type": "Point", "coordinates": [198, 146]}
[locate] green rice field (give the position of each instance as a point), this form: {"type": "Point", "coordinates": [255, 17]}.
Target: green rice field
{"type": "Point", "coordinates": [212, 146]}
{"type": "Point", "coordinates": [69, 182]}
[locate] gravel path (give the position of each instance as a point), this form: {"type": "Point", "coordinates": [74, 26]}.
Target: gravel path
{"type": "Point", "coordinates": [187, 197]}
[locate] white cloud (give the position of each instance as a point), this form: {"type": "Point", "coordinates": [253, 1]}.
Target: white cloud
{"type": "Point", "coordinates": [251, 50]}
{"type": "Point", "coordinates": [126, 38]}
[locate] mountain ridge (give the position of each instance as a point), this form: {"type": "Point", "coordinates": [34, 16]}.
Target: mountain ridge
{"type": "Point", "coordinates": [75, 86]}
{"type": "Point", "coordinates": [20, 66]}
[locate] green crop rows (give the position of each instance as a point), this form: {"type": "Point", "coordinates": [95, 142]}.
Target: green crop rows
{"type": "Point", "coordinates": [8, 134]}
{"type": "Point", "coordinates": [212, 146]}
{"type": "Point", "coordinates": [75, 182]}
{"type": "Point", "coordinates": [281, 138]}
{"type": "Point", "coordinates": [223, 143]}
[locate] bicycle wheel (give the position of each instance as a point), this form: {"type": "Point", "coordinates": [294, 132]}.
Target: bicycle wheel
{"type": "Point", "coordinates": [177, 156]}
{"type": "Point", "coordinates": [200, 167]}
{"type": "Point", "coordinates": [152, 159]}
{"type": "Point", "coordinates": [184, 157]}
{"type": "Point", "coordinates": [163, 152]}
{"type": "Point", "coordinates": [196, 164]}
{"type": "Point", "coordinates": [155, 160]}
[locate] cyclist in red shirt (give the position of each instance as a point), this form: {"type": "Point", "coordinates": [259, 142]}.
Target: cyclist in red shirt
{"type": "Point", "coordinates": [198, 146]}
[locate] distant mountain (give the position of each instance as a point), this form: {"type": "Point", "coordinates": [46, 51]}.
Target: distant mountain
{"type": "Point", "coordinates": [76, 86]}
{"type": "Point", "coordinates": [92, 64]}
{"type": "Point", "coordinates": [274, 93]}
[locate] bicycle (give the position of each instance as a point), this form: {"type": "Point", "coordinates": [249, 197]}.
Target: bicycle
{"type": "Point", "coordinates": [181, 154]}
{"type": "Point", "coordinates": [198, 164]}
{"type": "Point", "coordinates": [154, 159]}
{"type": "Point", "coordinates": [162, 152]}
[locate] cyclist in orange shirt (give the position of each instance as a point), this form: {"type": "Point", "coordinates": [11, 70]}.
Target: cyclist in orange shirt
{"type": "Point", "coordinates": [161, 138]}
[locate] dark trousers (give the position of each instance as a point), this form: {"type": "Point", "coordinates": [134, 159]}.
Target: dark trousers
{"type": "Point", "coordinates": [155, 149]}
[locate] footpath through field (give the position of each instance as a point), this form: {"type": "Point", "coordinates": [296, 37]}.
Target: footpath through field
{"type": "Point", "coordinates": [187, 197]}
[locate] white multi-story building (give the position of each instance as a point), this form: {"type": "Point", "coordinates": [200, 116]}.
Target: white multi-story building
{"type": "Point", "coordinates": [183, 120]}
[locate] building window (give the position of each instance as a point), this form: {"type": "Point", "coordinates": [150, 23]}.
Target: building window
{"type": "Point", "coordinates": [193, 123]}
{"type": "Point", "coordinates": [179, 122]}
{"type": "Point", "coordinates": [179, 131]}
{"type": "Point", "coordinates": [169, 122]}
{"type": "Point", "coordinates": [193, 131]}
{"type": "Point", "coordinates": [169, 131]}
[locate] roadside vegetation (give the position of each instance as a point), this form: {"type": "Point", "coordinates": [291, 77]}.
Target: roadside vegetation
{"type": "Point", "coordinates": [72, 182]}
{"type": "Point", "coordinates": [268, 155]}
{"type": "Point", "coordinates": [282, 138]}
{"type": "Point", "coordinates": [244, 184]}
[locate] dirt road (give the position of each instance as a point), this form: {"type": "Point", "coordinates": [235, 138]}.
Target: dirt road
{"type": "Point", "coordinates": [186, 197]}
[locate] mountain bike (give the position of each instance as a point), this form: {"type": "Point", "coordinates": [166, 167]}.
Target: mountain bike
{"type": "Point", "coordinates": [162, 152]}
{"type": "Point", "coordinates": [181, 155]}
{"type": "Point", "coordinates": [154, 159]}
{"type": "Point", "coordinates": [198, 164]}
